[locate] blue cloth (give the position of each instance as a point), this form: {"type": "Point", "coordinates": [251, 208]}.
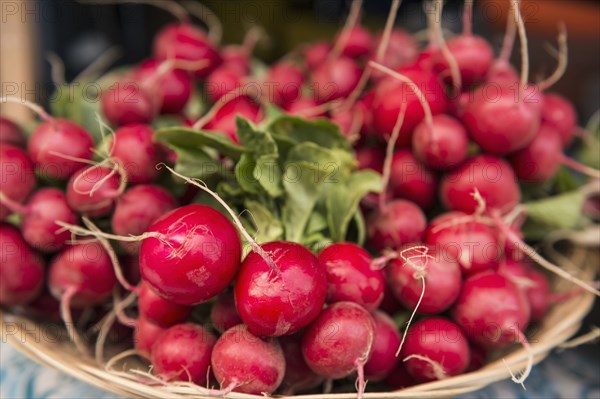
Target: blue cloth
{"type": "Point", "coordinates": [572, 374]}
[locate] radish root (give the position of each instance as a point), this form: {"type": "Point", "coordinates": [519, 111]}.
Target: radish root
{"type": "Point", "coordinates": [563, 57]}
{"type": "Point", "coordinates": [438, 370]}
{"type": "Point", "coordinates": [351, 22]}
{"type": "Point", "coordinates": [389, 156]}
{"type": "Point", "coordinates": [525, 373]}
{"type": "Point", "coordinates": [65, 314]}
{"type": "Point", "coordinates": [454, 69]}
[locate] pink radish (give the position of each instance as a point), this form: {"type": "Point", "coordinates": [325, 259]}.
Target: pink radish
{"type": "Point", "coordinates": [93, 190]}
{"type": "Point", "coordinates": [192, 255]}
{"type": "Point", "coordinates": [340, 341]}
{"type": "Point", "coordinates": [350, 277]}
{"type": "Point", "coordinates": [305, 107]}
{"type": "Point", "coordinates": [539, 295]}
{"type": "Point", "coordinates": [236, 58]}
{"type": "Point", "coordinates": [17, 177]}
{"type": "Point", "coordinates": [11, 133]}
{"type": "Point", "coordinates": [474, 245]}
{"type": "Point", "coordinates": [370, 158]}
{"type": "Point", "coordinates": [127, 102]}
{"type": "Point", "coordinates": [298, 376]}
{"type": "Point", "coordinates": [221, 81]}
{"type": "Point", "coordinates": [131, 219]}
{"type": "Point", "coordinates": [410, 180]}
{"type": "Point", "coordinates": [21, 269]}
{"type": "Point", "coordinates": [316, 54]}
{"type": "Point", "coordinates": [283, 83]}
{"type": "Point", "coordinates": [139, 164]}
{"type": "Point", "coordinates": [182, 353]}
{"type": "Point", "coordinates": [145, 335]}
{"type": "Point", "coordinates": [224, 119]}
{"type": "Point", "coordinates": [540, 160]}
{"type": "Point", "coordinates": [335, 79]}
{"type": "Point", "coordinates": [383, 359]}
{"type": "Point", "coordinates": [559, 113]}
{"type": "Point", "coordinates": [402, 50]}
{"type": "Point", "coordinates": [399, 222]}
{"type": "Point", "coordinates": [494, 179]}
{"type": "Point", "coordinates": [435, 348]}
{"type": "Point", "coordinates": [223, 314]}
{"type": "Point", "coordinates": [444, 145]}
{"type": "Point", "coordinates": [184, 41]}
{"type": "Point", "coordinates": [282, 296]}
{"type": "Point", "coordinates": [358, 42]}
{"type": "Point", "coordinates": [442, 276]}
{"type": "Point", "coordinates": [245, 363]}
{"type": "Point", "coordinates": [158, 310]}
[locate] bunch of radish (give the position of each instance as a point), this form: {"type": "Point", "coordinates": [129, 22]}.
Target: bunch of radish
{"type": "Point", "coordinates": [445, 279]}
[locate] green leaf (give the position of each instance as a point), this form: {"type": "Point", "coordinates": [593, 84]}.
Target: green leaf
{"type": "Point", "coordinates": [80, 103]}
{"type": "Point", "coordinates": [298, 130]}
{"type": "Point", "coordinates": [267, 227]}
{"type": "Point", "coordinates": [342, 200]}
{"type": "Point", "coordinates": [557, 212]}
{"type": "Point", "coordinates": [336, 163]}
{"type": "Point", "coordinates": [244, 174]}
{"type": "Point", "coordinates": [195, 162]}
{"type": "Point", "coordinates": [361, 227]}
{"type": "Point", "coordinates": [191, 138]}
{"type": "Point", "coordinates": [316, 223]}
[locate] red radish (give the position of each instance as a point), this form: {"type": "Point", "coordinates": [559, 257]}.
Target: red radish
{"type": "Point", "coordinates": [158, 310]}
{"type": "Point", "coordinates": [11, 133]}
{"type": "Point", "coordinates": [399, 378]}
{"type": "Point", "coordinates": [184, 41]}
{"type": "Point", "coordinates": [280, 297]}
{"type": "Point", "coordinates": [444, 145]}
{"type": "Point", "coordinates": [44, 207]}
{"type": "Point", "coordinates": [305, 107]}
{"type": "Point", "coordinates": [358, 42]}
{"type": "Point", "coordinates": [335, 79]}
{"type": "Point", "coordinates": [129, 218]}
{"type": "Point", "coordinates": [221, 81]}
{"type": "Point", "coordinates": [474, 245]}
{"type": "Point", "coordinates": [442, 276]}
{"type": "Point", "coordinates": [236, 58]}
{"type": "Point", "coordinates": [283, 83]}
{"type": "Point", "coordinates": [370, 158]}
{"type": "Point", "coordinates": [410, 180]}
{"type": "Point", "coordinates": [383, 359]}
{"type": "Point", "coordinates": [494, 179]}
{"type": "Point", "coordinates": [145, 335]}
{"type": "Point", "coordinates": [391, 94]}
{"type": "Point", "coordinates": [340, 341]}
{"type": "Point", "coordinates": [350, 277]}
{"type": "Point", "coordinates": [182, 353]}
{"type": "Point", "coordinates": [224, 119]}
{"type": "Point", "coordinates": [246, 363]}
{"type": "Point", "coordinates": [223, 314]}
{"type": "Point", "coordinates": [93, 190]}
{"type": "Point", "coordinates": [435, 348]}
{"type": "Point", "coordinates": [16, 175]}
{"type": "Point", "coordinates": [21, 269]}
{"type": "Point", "coordinates": [316, 54]}
{"type": "Point", "coordinates": [298, 376]}
{"type": "Point", "coordinates": [399, 222]}
{"type": "Point", "coordinates": [139, 165]}
{"type": "Point", "coordinates": [192, 255]}
{"type": "Point", "coordinates": [540, 160]}
{"type": "Point", "coordinates": [402, 50]}
{"type": "Point", "coordinates": [538, 294]}
{"type": "Point", "coordinates": [173, 88]}
{"type": "Point", "coordinates": [127, 102]}
{"type": "Point", "coordinates": [559, 113]}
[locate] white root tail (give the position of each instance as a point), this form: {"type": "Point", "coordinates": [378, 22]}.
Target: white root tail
{"type": "Point", "coordinates": [438, 370]}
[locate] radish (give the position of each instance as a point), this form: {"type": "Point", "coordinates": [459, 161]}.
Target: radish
{"type": "Point", "coordinates": [131, 219]}
{"type": "Point", "coordinates": [298, 376]}
{"type": "Point", "coordinates": [173, 87]}
{"type": "Point", "coordinates": [11, 133]}
{"type": "Point", "coordinates": [283, 83]}
{"type": "Point", "coordinates": [350, 277]}
{"type": "Point", "coordinates": [389, 304]}
{"type": "Point", "coordinates": [559, 113]}
{"type": "Point", "coordinates": [399, 222]}
{"type": "Point", "coordinates": [158, 310]}
{"type": "Point", "coordinates": [478, 358]}
{"type": "Point", "coordinates": [383, 359]}
{"type": "Point", "coordinates": [223, 119]}
{"type": "Point", "coordinates": [473, 54]}
{"type": "Point", "coordinates": [410, 180]}
{"type": "Point", "coordinates": [140, 165]}
{"type": "Point", "coordinates": [245, 363]}
{"type": "Point", "coordinates": [281, 296]}
{"type": "Point", "coordinates": [370, 158]}
{"type": "Point", "coordinates": [236, 58]}
{"type": "Point", "coordinates": [494, 179]}
{"type": "Point", "coordinates": [494, 312]}
{"type": "Point", "coordinates": [221, 81]}
{"type": "Point", "coordinates": [127, 102]}
{"type": "Point", "coordinates": [182, 353]}
{"type": "Point", "coordinates": [192, 254]}
{"type": "Point", "coordinates": [402, 50]}
{"type": "Point", "coordinates": [305, 107]}
{"type": "Point", "coordinates": [316, 54]}
{"type": "Point", "coordinates": [21, 269]}
{"type": "Point", "coordinates": [539, 295]}
{"type": "Point", "coordinates": [340, 341]}
{"type": "Point", "coordinates": [334, 79]}
{"type": "Point", "coordinates": [443, 145]}
{"type": "Point", "coordinates": [93, 190]}
{"type": "Point", "coordinates": [442, 277]}
{"type": "Point", "coordinates": [358, 42]}
{"type": "Point", "coordinates": [223, 314]}
{"type": "Point", "coordinates": [474, 245]}
{"type": "Point", "coordinates": [16, 175]}
{"type": "Point", "coordinates": [435, 348]}
{"type": "Point", "coordinates": [145, 335]}
{"type": "Point", "coordinates": [540, 160]}
{"type": "Point", "coordinates": [183, 41]}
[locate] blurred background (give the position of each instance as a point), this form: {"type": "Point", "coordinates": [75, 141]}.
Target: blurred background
{"type": "Point", "coordinates": [79, 31]}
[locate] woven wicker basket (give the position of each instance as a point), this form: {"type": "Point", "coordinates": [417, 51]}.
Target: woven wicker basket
{"type": "Point", "coordinates": [561, 323]}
